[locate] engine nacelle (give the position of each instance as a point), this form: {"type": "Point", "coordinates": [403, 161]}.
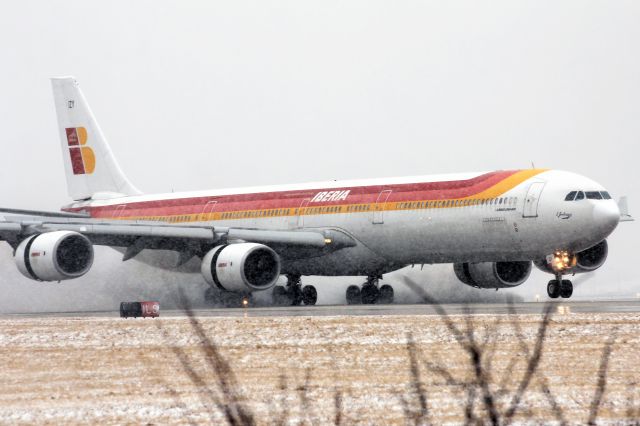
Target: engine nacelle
{"type": "Point", "coordinates": [241, 267]}
{"type": "Point", "coordinates": [585, 261]}
{"type": "Point", "coordinates": [54, 256]}
{"type": "Point", "coordinates": [493, 274]}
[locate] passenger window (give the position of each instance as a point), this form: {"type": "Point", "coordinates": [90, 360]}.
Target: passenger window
{"type": "Point", "coordinates": [605, 195]}
{"type": "Point", "coordinates": [570, 196]}
{"type": "Point", "coordinates": [594, 195]}
{"type": "Point", "coordinates": [580, 196]}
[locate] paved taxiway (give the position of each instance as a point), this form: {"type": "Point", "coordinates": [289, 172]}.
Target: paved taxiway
{"type": "Point", "coordinates": [560, 306]}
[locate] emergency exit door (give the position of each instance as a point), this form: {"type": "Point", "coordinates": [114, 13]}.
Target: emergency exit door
{"type": "Point", "coordinates": [532, 199]}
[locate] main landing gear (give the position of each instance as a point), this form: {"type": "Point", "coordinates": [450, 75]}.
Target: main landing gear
{"type": "Point", "coordinates": [370, 293]}
{"type": "Point", "coordinates": [559, 288]}
{"type": "Point", "coordinates": [294, 294]}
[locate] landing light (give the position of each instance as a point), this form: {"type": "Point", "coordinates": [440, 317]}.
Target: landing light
{"type": "Point", "coordinates": [328, 241]}
{"type": "Point", "coordinates": [562, 261]}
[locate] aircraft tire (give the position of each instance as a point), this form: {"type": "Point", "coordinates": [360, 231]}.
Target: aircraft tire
{"type": "Point", "coordinates": [553, 289]}
{"type": "Point", "coordinates": [370, 294]}
{"type": "Point", "coordinates": [386, 294]}
{"type": "Point", "coordinates": [353, 295]}
{"type": "Point", "coordinates": [309, 295]}
{"type": "Point", "coordinates": [566, 289]}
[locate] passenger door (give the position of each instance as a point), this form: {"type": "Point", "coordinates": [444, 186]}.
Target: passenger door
{"type": "Point", "coordinates": [531, 200]}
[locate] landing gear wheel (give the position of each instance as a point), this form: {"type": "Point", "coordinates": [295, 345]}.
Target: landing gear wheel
{"type": "Point", "coordinates": [553, 289]}
{"type": "Point", "coordinates": [566, 289]}
{"type": "Point", "coordinates": [386, 294]}
{"type": "Point", "coordinates": [353, 295]}
{"type": "Point", "coordinates": [370, 294]}
{"type": "Point", "coordinates": [279, 296]}
{"type": "Point", "coordinates": [309, 295]}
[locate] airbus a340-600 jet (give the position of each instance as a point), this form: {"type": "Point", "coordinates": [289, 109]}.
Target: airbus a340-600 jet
{"type": "Point", "coordinates": [493, 227]}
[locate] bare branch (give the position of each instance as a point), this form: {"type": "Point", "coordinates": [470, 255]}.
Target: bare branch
{"type": "Point", "coordinates": [602, 381]}
{"type": "Point", "coordinates": [234, 408]}
{"type": "Point", "coordinates": [469, 417]}
{"type": "Point", "coordinates": [426, 298]}
{"type": "Point", "coordinates": [555, 408]}
{"type": "Point", "coordinates": [303, 394]}
{"type": "Point", "coordinates": [338, 407]}
{"type": "Point", "coordinates": [282, 387]}
{"type": "Point", "coordinates": [416, 382]}
{"type": "Point", "coordinates": [532, 365]}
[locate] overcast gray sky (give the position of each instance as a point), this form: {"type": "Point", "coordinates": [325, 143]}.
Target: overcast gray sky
{"type": "Point", "coordinates": [196, 95]}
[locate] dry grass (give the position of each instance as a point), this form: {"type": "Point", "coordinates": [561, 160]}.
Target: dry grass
{"type": "Point", "coordinates": [301, 370]}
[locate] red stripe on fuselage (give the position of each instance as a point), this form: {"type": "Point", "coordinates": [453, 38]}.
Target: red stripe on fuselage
{"type": "Point", "coordinates": [293, 199]}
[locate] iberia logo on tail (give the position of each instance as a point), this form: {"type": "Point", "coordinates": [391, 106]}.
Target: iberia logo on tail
{"type": "Point", "coordinates": [83, 160]}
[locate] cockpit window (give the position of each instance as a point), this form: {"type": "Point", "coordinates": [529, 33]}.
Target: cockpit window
{"type": "Point", "coordinates": [570, 196]}
{"type": "Point", "coordinates": [593, 195]}
{"type": "Point", "coordinates": [580, 196]}
{"type": "Point", "coordinates": [605, 195]}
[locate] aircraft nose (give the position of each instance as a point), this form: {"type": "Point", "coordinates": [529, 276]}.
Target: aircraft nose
{"type": "Point", "coordinates": [606, 216]}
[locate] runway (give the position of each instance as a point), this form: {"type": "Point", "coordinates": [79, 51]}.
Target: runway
{"type": "Point", "coordinates": [560, 306]}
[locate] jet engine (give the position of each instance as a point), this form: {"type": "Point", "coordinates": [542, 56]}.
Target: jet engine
{"type": "Point", "coordinates": [241, 267]}
{"type": "Point", "coordinates": [54, 256]}
{"type": "Point", "coordinates": [493, 274]}
{"type": "Point", "coordinates": [585, 261]}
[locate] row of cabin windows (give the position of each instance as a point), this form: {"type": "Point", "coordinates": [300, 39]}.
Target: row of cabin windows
{"type": "Point", "coordinates": [255, 213]}
{"type": "Point", "coordinates": [165, 218]}
{"type": "Point", "coordinates": [505, 201]}
{"type": "Point", "coordinates": [327, 209]}
{"type": "Point", "coordinates": [589, 195]}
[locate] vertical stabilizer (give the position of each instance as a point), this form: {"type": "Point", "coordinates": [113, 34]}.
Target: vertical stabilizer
{"type": "Point", "coordinates": [89, 164]}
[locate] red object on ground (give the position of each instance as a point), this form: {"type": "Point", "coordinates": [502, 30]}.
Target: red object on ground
{"type": "Point", "coordinates": [140, 309]}
{"type": "Point", "coordinates": [150, 309]}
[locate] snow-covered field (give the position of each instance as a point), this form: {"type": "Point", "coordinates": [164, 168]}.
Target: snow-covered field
{"type": "Point", "coordinates": [307, 369]}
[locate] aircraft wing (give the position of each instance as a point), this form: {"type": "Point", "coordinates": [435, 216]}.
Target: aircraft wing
{"type": "Point", "coordinates": [191, 240]}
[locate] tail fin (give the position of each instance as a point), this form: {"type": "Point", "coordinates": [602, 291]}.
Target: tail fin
{"type": "Point", "coordinates": [89, 163]}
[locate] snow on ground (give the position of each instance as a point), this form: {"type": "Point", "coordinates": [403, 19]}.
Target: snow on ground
{"type": "Point", "coordinates": [114, 371]}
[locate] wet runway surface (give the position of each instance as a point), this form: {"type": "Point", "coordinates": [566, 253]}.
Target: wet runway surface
{"type": "Point", "coordinates": [560, 306]}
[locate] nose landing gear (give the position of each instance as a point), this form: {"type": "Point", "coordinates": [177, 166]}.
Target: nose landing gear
{"type": "Point", "coordinates": [559, 288]}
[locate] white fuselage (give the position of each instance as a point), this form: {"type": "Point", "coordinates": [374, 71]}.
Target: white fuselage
{"type": "Point", "coordinates": [520, 215]}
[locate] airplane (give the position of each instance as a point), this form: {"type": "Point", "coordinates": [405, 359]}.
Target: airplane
{"type": "Point", "coordinates": [494, 227]}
